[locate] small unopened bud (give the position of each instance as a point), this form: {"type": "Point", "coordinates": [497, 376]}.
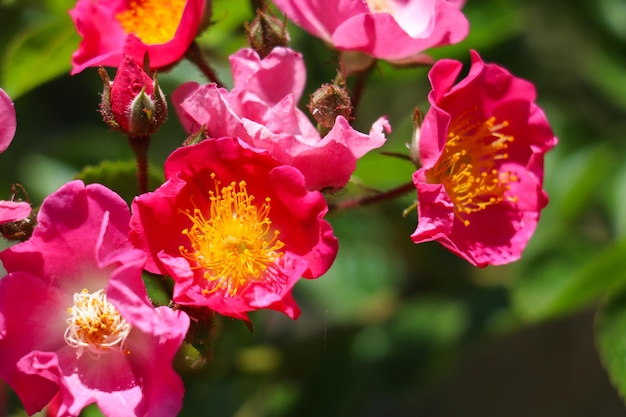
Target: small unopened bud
{"type": "Point", "coordinates": [133, 103]}
{"type": "Point", "coordinates": [328, 102]}
{"type": "Point", "coordinates": [266, 32]}
{"type": "Point", "coordinates": [414, 152]}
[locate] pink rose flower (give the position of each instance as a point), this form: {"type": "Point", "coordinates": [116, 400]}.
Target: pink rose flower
{"type": "Point", "coordinates": [111, 29]}
{"type": "Point", "coordinates": [75, 318]}
{"type": "Point", "coordinates": [234, 228]}
{"type": "Point", "coordinates": [392, 30]}
{"type": "Point", "coordinates": [482, 146]}
{"type": "Point", "coordinates": [261, 110]}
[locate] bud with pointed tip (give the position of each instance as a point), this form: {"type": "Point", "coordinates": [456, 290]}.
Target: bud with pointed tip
{"type": "Point", "coordinates": [328, 102]}
{"type": "Point", "coordinates": [133, 103]}
{"type": "Point", "coordinates": [414, 152]}
{"type": "Point", "coordinates": [266, 32]}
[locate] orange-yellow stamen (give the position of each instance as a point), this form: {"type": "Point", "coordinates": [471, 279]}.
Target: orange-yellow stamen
{"type": "Point", "coordinates": [96, 325]}
{"type": "Point", "coordinates": [234, 243]}
{"type": "Point", "coordinates": [467, 167]}
{"type": "Point", "coordinates": [153, 21]}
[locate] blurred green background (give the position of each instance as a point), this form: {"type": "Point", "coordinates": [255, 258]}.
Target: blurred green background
{"type": "Point", "coordinates": [394, 329]}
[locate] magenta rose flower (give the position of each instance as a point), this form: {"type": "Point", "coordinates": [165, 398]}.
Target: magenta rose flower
{"type": "Point", "coordinates": [75, 318]}
{"type": "Point", "coordinates": [261, 110]}
{"type": "Point", "coordinates": [385, 29]}
{"type": "Point", "coordinates": [482, 146]}
{"type": "Point", "coordinates": [111, 29]}
{"type": "Point", "coordinates": [234, 228]}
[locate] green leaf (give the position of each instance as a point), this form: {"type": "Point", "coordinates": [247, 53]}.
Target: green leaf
{"type": "Point", "coordinates": [60, 7]}
{"type": "Point", "coordinates": [39, 53]}
{"type": "Point", "coordinates": [92, 410]}
{"type": "Point", "coordinates": [564, 286]}
{"type": "Point", "coordinates": [120, 176]}
{"type": "Point", "coordinates": [611, 339]}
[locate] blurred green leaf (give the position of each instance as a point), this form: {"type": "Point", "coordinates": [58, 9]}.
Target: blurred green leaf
{"type": "Point", "coordinates": [120, 176]}
{"type": "Point", "coordinates": [60, 7]}
{"type": "Point", "coordinates": [565, 286]}
{"type": "Point", "coordinates": [606, 72]}
{"type": "Point", "coordinates": [39, 53]}
{"type": "Point", "coordinates": [583, 171]}
{"type": "Point", "coordinates": [439, 322]}
{"type": "Point", "coordinates": [611, 337]}
{"type": "Point", "coordinates": [92, 410]}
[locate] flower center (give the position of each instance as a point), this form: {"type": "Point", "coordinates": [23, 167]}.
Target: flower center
{"type": "Point", "coordinates": [378, 6]}
{"type": "Point", "coordinates": [234, 245]}
{"type": "Point", "coordinates": [152, 21]}
{"type": "Point", "coordinates": [96, 325]}
{"type": "Point", "coordinates": [467, 166]}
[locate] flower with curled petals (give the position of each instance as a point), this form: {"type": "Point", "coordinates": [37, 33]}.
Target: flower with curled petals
{"type": "Point", "coordinates": [110, 29]}
{"type": "Point", "coordinates": [76, 323]}
{"type": "Point", "coordinates": [234, 228]}
{"type": "Point", "coordinates": [392, 30]}
{"type": "Point", "coordinates": [482, 146]}
{"type": "Point", "coordinates": [261, 110]}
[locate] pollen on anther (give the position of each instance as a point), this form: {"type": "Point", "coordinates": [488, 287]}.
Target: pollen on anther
{"type": "Point", "coordinates": [95, 325]}
{"type": "Point", "coordinates": [152, 21]}
{"type": "Point", "coordinates": [231, 241]}
{"type": "Point", "coordinates": [468, 166]}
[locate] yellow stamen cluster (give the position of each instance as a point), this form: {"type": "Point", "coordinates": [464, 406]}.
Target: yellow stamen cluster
{"type": "Point", "coordinates": [153, 21]}
{"type": "Point", "coordinates": [96, 325]}
{"type": "Point", "coordinates": [233, 243]}
{"type": "Point", "coordinates": [467, 166]}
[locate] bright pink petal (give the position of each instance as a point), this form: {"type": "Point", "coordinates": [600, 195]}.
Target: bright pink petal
{"type": "Point", "coordinates": [320, 17]}
{"type": "Point", "coordinates": [71, 220]}
{"type": "Point", "coordinates": [81, 244]}
{"type": "Point", "coordinates": [11, 211]}
{"type": "Point", "coordinates": [8, 121]}
{"type": "Point", "coordinates": [262, 111]}
{"type": "Point", "coordinates": [397, 31]}
{"type": "Point", "coordinates": [414, 17]}
{"type": "Point", "coordinates": [32, 317]}
{"type": "Point", "coordinates": [255, 79]}
{"type": "Point", "coordinates": [105, 43]}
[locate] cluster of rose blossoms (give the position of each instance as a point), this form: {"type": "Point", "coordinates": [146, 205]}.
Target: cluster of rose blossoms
{"type": "Point", "coordinates": [240, 216]}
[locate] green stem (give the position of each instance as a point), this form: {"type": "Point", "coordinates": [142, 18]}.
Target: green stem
{"type": "Point", "coordinates": [195, 55]}
{"type": "Point", "coordinates": [140, 146]}
{"type": "Point", "coordinates": [363, 201]}
{"type": "Point", "coordinates": [359, 87]}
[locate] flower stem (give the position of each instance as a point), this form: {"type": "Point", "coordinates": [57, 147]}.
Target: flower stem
{"type": "Point", "coordinates": [140, 146]}
{"type": "Point", "coordinates": [194, 54]}
{"type": "Point", "coordinates": [359, 87]}
{"type": "Point", "coordinates": [363, 201]}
